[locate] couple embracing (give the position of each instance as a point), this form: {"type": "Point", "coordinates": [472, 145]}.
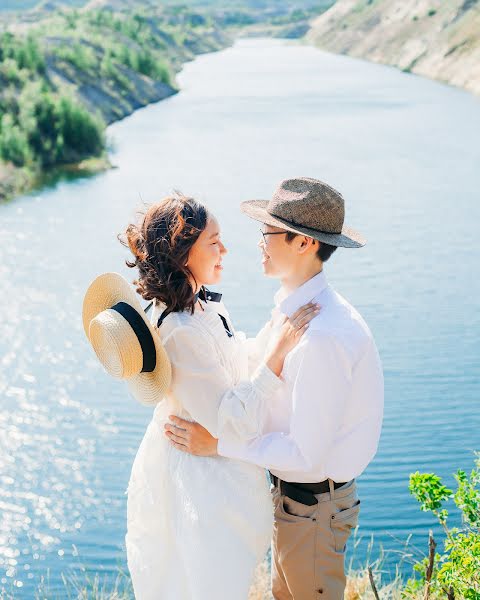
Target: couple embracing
{"type": "Point", "coordinates": [303, 401]}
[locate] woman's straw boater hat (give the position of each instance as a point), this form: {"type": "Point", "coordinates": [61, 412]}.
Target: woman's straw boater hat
{"type": "Point", "coordinates": [308, 207]}
{"type": "Point", "coordinates": [124, 340]}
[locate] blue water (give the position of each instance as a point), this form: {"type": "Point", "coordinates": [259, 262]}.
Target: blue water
{"type": "Point", "coordinates": [403, 150]}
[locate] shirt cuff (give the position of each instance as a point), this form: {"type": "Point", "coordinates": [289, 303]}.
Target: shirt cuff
{"type": "Point", "coordinates": [265, 380]}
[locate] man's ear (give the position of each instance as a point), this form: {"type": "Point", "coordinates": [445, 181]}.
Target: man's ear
{"type": "Point", "coordinates": [307, 244]}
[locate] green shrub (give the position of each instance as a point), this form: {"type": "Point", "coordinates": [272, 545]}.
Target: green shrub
{"type": "Point", "coordinates": [39, 121]}
{"type": "Point", "coordinates": [50, 129]}
{"type": "Point", "coordinates": [455, 573]}
{"type": "Point", "coordinates": [143, 62]}
{"type": "Point", "coordinates": [26, 52]}
{"type": "Point", "coordinates": [82, 134]}
{"type": "Point", "coordinates": [10, 71]}
{"type": "Point", "coordinates": [81, 56]}
{"type": "Point", "coordinates": [14, 145]}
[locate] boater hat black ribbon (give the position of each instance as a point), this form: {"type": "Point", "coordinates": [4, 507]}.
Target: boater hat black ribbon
{"type": "Point", "coordinates": [143, 334]}
{"type": "Point", "coordinates": [124, 340]}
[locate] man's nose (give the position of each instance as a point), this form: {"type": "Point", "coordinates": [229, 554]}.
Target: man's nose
{"type": "Point", "coordinates": [223, 249]}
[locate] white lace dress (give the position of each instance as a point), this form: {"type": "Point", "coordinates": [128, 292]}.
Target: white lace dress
{"type": "Point", "coordinates": [197, 527]}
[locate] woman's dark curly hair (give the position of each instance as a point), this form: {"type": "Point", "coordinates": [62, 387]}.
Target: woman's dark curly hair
{"type": "Point", "coordinates": [160, 243]}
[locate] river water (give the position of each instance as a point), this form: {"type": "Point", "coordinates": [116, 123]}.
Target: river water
{"type": "Point", "coordinates": [403, 150]}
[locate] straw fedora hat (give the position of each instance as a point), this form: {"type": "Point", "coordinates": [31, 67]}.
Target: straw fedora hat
{"type": "Point", "coordinates": [308, 207]}
{"type": "Point", "coordinates": [124, 340]}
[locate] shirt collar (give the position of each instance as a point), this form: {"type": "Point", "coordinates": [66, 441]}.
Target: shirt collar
{"type": "Point", "coordinates": [289, 303]}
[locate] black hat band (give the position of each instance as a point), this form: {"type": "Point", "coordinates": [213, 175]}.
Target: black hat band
{"type": "Point", "coordinates": [142, 332]}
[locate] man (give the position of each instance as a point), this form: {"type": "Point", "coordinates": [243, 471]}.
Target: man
{"type": "Point", "coordinates": [323, 425]}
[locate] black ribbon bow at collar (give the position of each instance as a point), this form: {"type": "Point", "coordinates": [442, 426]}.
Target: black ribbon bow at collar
{"type": "Point", "coordinates": [206, 296]}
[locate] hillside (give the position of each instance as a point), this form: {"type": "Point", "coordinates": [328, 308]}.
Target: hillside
{"type": "Point", "coordinates": [433, 38]}
{"type": "Point", "coordinates": [68, 68]}
{"type": "Point", "coordinates": [65, 74]}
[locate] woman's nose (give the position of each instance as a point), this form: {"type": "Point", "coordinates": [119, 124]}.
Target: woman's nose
{"type": "Point", "coordinates": [223, 249]}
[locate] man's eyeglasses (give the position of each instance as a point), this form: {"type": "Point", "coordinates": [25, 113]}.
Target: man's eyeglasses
{"type": "Point", "coordinates": [265, 233]}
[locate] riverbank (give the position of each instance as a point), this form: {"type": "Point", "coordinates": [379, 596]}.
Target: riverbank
{"type": "Point", "coordinates": [438, 40]}
{"type": "Point", "coordinates": [65, 75]}
{"type": "Point", "coordinates": [387, 141]}
{"type": "Point", "coordinates": [65, 70]}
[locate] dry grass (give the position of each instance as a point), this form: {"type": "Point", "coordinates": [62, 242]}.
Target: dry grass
{"type": "Point", "coordinates": [261, 586]}
{"type": "Point", "coordinates": [358, 586]}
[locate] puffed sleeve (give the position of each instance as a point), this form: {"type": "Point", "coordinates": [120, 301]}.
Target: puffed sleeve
{"type": "Point", "coordinates": [205, 388]}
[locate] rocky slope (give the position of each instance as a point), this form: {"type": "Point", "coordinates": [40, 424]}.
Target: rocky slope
{"type": "Point", "coordinates": [434, 38]}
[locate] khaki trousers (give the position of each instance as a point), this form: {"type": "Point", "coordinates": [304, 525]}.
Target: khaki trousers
{"type": "Point", "coordinates": [309, 542]}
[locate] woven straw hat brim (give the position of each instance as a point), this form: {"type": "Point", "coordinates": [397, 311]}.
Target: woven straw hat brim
{"type": "Point", "coordinates": [103, 293]}
{"type": "Point", "coordinates": [257, 210]}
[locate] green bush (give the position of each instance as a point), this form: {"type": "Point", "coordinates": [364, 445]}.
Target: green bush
{"type": "Point", "coordinates": [38, 119]}
{"type": "Point", "coordinates": [81, 56]}
{"type": "Point", "coordinates": [26, 52]}
{"type": "Point", "coordinates": [14, 145]}
{"type": "Point", "coordinates": [455, 573]}
{"type": "Point", "coordinates": [81, 133]}
{"type": "Point", "coordinates": [10, 71]}
{"type": "Point", "coordinates": [143, 62]}
{"type": "Point", "coordinates": [50, 129]}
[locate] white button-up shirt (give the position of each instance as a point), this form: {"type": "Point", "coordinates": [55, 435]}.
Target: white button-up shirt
{"type": "Point", "coordinates": [325, 420]}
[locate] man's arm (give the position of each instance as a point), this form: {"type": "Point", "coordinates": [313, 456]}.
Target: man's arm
{"type": "Point", "coordinates": [204, 387]}
{"type": "Point", "coordinates": [321, 386]}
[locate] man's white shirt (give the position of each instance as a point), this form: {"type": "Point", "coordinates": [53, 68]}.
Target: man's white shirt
{"type": "Point", "coordinates": [324, 421]}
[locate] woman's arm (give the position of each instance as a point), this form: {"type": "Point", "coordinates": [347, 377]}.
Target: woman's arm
{"type": "Point", "coordinates": [206, 390]}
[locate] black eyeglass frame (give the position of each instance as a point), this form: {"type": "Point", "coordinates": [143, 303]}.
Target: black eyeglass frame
{"type": "Point", "coordinates": [264, 233]}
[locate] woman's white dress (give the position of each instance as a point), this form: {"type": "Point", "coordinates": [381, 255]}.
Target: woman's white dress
{"type": "Point", "coordinates": [198, 526]}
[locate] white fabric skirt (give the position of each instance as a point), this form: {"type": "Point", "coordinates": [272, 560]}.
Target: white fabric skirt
{"type": "Point", "coordinates": [197, 526]}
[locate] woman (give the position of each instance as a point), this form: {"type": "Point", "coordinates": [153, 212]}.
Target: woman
{"type": "Point", "coordinates": [197, 527]}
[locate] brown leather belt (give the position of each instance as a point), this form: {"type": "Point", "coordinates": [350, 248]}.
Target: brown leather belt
{"type": "Point", "coordinates": [303, 492]}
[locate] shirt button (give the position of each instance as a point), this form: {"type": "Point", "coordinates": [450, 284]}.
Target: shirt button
{"type": "Point", "coordinates": [320, 591]}
{"type": "Point", "coordinates": [314, 519]}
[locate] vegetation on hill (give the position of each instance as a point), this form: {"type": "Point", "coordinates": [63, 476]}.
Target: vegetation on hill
{"type": "Point", "coordinates": [65, 73]}
{"type": "Point", "coordinates": [64, 78]}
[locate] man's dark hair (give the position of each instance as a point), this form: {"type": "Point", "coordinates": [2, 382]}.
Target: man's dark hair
{"type": "Point", "coordinates": [324, 251]}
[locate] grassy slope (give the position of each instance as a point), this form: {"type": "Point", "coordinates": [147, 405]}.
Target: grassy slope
{"type": "Point", "coordinates": [85, 55]}
{"type": "Point", "coordinates": [434, 38]}
{"type": "Point", "coordinates": [111, 63]}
